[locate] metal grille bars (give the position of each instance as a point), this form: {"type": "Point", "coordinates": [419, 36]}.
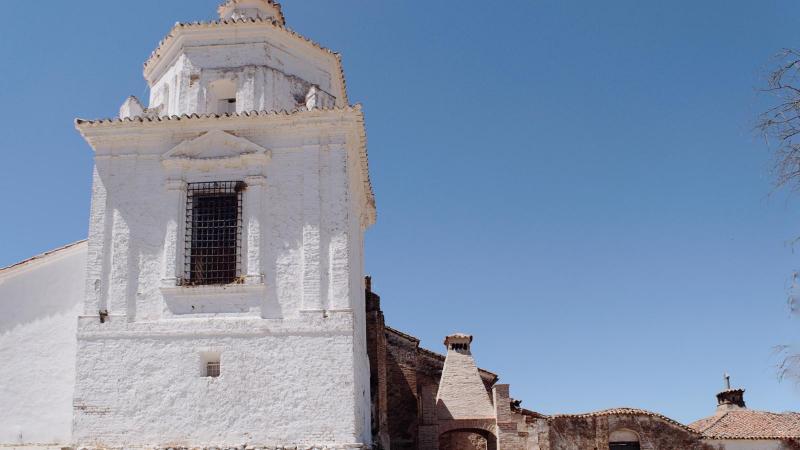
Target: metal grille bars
{"type": "Point", "coordinates": [213, 233]}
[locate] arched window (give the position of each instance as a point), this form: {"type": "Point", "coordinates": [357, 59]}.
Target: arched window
{"type": "Point", "coordinates": [222, 97]}
{"type": "Point", "coordinates": [624, 440]}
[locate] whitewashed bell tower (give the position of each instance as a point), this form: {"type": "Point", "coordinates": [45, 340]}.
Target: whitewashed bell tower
{"type": "Point", "coordinates": [225, 299]}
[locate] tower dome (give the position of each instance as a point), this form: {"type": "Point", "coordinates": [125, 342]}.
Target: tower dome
{"type": "Point", "coordinates": [251, 9]}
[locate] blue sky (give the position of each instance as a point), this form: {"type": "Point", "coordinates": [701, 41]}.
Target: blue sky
{"type": "Point", "coordinates": [575, 183]}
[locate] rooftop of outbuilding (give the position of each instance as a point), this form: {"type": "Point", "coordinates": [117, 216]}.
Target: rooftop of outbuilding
{"type": "Point", "coordinates": [749, 424]}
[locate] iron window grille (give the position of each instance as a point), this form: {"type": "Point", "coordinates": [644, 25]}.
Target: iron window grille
{"type": "Point", "coordinates": [213, 370]}
{"type": "Point", "coordinates": [213, 233]}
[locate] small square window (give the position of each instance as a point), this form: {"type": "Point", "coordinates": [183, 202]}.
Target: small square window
{"type": "Point", "coordinates": [212, 369]}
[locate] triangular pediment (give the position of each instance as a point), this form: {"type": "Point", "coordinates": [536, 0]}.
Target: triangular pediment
{"type": "Point", "coordinates": [215, 145]}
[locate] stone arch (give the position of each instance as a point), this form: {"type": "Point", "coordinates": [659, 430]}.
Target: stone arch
{"type": "Point", "coordinates": [467, 439]}
{"type": "Point", "coordinates": [624, 439]}
{"type": "Point", "coordinates": [470, 434]}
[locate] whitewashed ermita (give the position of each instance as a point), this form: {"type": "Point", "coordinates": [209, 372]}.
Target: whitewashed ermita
{"type": "Point", "coordinates": [220, 301]}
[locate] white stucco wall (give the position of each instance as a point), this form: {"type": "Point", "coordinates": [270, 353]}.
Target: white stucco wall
{"type": "Point", "coordinates": [280, 384]}
{"type": "Point", "coordinates": [40, 301]}
{"type": "Point", "coordinates": [271, 73]}
{"type": "Point", "coordinates": [294, 361]}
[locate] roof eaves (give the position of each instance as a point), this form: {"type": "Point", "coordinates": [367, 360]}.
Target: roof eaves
{"type": "Point", "coordinates": [41, 256]}
{"type": "Point", "coordinates": [187, 117]}
{"type": "Point", "coordinates": [401, 334]}
{"type": "Point", "coordinates": [82, 124]}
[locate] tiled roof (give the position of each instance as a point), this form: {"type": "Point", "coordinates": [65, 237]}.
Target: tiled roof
{"type": "Point", "coordinates": [157, 53]}
{"type": "Point", "coordinates": [748, 424]}
{"type": "Point", "coordinates": [625, 412]}
{"type": "Point", "coordinates": [42, 256]}
{"type": "Point", "coordinates": [185, 117]}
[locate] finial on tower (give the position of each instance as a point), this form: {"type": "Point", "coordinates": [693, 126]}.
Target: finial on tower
{"type": "Point", "coordinates": [251, 9]}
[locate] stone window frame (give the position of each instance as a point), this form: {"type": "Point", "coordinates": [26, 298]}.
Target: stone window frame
{"type": "Point", "coordinates": [209, 156]}
{"type": "Point", "coordinates": [175, 254]}
{"type": "Point", "coordinates": [206, 189]}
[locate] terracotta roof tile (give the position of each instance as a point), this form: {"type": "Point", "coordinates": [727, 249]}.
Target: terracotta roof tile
{"type": "Point", "coordinates": [194, 116]}
{"type": "Point", "coordinates": [748, 424]}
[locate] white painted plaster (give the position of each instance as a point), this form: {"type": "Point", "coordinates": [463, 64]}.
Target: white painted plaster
{"type": "Point", "coordinates": [40, 300]}
{"type": "Point", "coordinates": [291, 338]}
{"type": "Point", "coordinates": [267, 73]}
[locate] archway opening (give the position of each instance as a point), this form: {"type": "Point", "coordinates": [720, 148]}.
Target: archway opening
{"type": "Point", "coordinates": [624, 440]}
{"type": "Point", "coordinates": [467, 440]}
{"type": "Point", "coordinates": [222, 97]}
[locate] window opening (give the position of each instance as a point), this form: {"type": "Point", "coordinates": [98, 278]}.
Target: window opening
{"type": "Point", "coordinates": [624, 440]}
{"type": "Point", "coordinates": [226, 106]}
{"type": "Point", "coordinates": [624, 446]}
{"type": "Point", "coordinates": [212, 369]}
{"type": "Point", "coordinates": [222, 97]}
{"type": "Point", "coordinates": [213, 233]}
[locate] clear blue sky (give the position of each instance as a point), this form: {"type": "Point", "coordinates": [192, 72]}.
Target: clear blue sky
{"type": "Point", "coordinates": [576, 183]}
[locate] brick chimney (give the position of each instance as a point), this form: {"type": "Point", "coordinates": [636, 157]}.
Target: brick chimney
{"type": "Point", "coordinates": [730, 399]}
{"type": "Point", "coordinates": [462, 394]}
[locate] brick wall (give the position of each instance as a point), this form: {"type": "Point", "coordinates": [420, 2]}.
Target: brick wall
{"type": "Point", "coordinates": [405, 379]}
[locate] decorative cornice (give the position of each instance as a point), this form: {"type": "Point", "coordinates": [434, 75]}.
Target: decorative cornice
{"type": "Point", "coordinates": [89, 129]}
{"type": "Point", "coordinates": [215, 149]}
{"type": "Point", "coordinates": [83, 124]}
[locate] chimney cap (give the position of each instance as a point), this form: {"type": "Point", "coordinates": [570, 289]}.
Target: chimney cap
{"type": "Point", "coordinates": [457, 338]}
{"type": "Point", "coordinates": [731, 399]}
